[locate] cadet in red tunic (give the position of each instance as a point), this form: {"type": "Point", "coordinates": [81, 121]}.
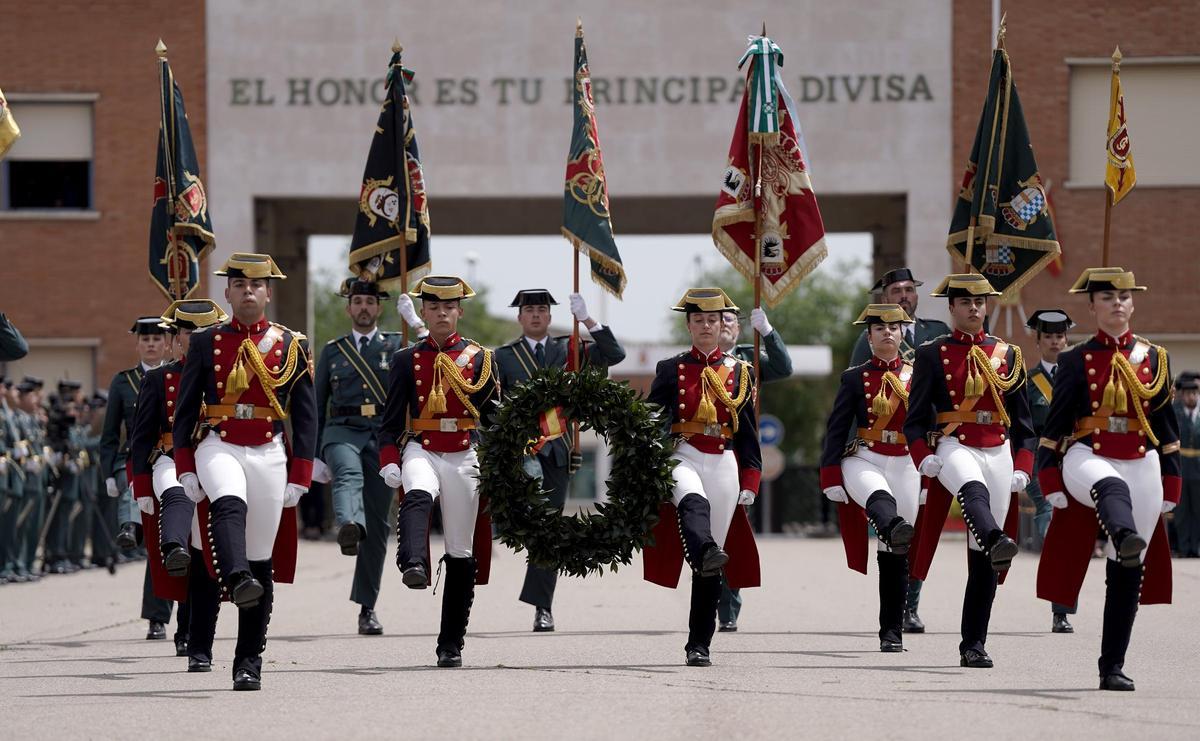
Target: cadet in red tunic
{"type": "Point", "coordinates": [875, 470]}
{"type": "Point", "coordinates": [168, 515]}
{"type": "Point", "coordinates": [1110, 451]}
{"type": "Point", "coordinates": [445, 384]}
{"type": "Point", "coordinates": [708, 400]}
{"type": "Point", "coordinates": [241, 381]}
{"type": "Point", "coordinates": [969, 430]}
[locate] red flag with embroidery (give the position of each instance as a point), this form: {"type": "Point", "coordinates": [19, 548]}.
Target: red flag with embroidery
{"type": "Point", "coordinates": [767, 204]}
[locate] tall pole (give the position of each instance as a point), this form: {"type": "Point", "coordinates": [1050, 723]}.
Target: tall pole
{"type": "Point", "coordinates": [758, 257]}
{"type": "Point", "coordinates": [1108, 194]}
{"type": "Point", "coordinates": [398, 48]}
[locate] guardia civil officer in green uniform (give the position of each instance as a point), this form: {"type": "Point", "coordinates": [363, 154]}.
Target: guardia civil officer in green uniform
{"type": "Point", "coordinates": [151, 346]}
{"type": "Point", "coordinates": [351, 386]}
{"type": "Point", "coordinates": [12, 479]}
{"type": "Point", "coordinates": [517, 362]}
{"type": "Point", "coordinates": [1050, 327]}
{"type": "Point", "coordinates": [66, 465]}
{"type": "Point", "coordinates": [31, 426]}
{"type": "Point", "coordinates": [1186, 517]}
{"type": "Point", "coordinates": [775, 365]}
{"type": "Point", "coordinates": [899, 286]}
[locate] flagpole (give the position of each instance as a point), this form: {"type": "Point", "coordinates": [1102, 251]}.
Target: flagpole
{"type": "Point", "coordinates": [758, 261]}
{"type": "Point", "coordinates": [178, 289]}
{"type": "Point", "coordinates": [575, 449]}
{"type": "Point", "coordinates": [1108, 194]}
{"type": "Point", "coordinates": [970, 252]}
{"type": "Point", "coordinates": [398, 48]}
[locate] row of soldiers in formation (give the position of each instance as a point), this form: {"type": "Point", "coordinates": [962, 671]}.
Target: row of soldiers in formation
{"type": "Point", "coordinates": [927, 420]}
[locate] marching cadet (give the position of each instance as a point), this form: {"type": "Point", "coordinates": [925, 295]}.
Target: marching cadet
{"type": "Point", "coordinates": [707, 396]}
{"type": "Point", "coordinates": [168, 515]}
{"type": "Point", "coordinates": [446, 384]}
{"type": "Point", "coordinates": [517, 362]}
{"type": "Point", "coordinates": [1110, 451]}
{"type": "Point", "coordinates": [969, 432]}
{"type": "Point", "coordinates": [241, 381]}
{"type": "Point", "coordinates": [875, 470]}
{"type": "Point", "coordinates": [1186, 517]}
{"type": "Point", "coordinates": [151, 347]}
{"type": "Point", "coordinates": [899, 286]}
{"type": "Point", "coordinates": [774, 365]}
{"type": "Point", "coordinates": [1050, 331]}
{"type": "Point", "coordinates": [350, 386]}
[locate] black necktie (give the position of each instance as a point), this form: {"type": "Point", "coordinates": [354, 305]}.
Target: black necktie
{"type": "Point", "coordinates": [539, 354]}
{"type": "Point", "coordinates": [908, 337]}
{"type": "Point", "coordinates": [362, 343]}
{"type": "Point", "coordinates": [1053, 370]}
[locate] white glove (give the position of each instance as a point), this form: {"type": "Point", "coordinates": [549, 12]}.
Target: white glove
{"type": "Point", "coordinates": [1057, 500]}
{"type": "Point", "coordinates": [321, 473]}
{"type": "Point", "coordinates": [837, 494]}
{"type": "Point", "coordinates": [931, 466]}
{"type": "Point", "coordinates": [1167, 506]}
{"type": "Point", "coordinates": [746, 497]}
{"type": "Point", "coordinates": [408, 312]}
{"type": "Point", "coordinates": [923, 496]}
{"type": "Point", "coordinates": [291, 495]}
{"type": "Point", "coordinates": [145, 504]}
{"type": "Point", "coordinates": [758, 320]}
{"type": "Point", "coordinates": [191, 487]}
{"type": "Point", "coordinates": [110, 487]}
{"type": "Point", "coordinates": [1020, 480]}
{"type": "Point", "coordinates": [391, 476]}
{"type": "Point", "coordinates": [578, 307]}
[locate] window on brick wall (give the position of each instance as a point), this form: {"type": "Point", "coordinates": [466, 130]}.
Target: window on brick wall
{"type": "Point", "coordinates": [50, 166]}
{"type": "Point", "coordinates": [1162, 106]}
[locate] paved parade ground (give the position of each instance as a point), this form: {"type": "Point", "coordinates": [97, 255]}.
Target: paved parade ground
{"type": "Point", "coordinates": [73, 662]}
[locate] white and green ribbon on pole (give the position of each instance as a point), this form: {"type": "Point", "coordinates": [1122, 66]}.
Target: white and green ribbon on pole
{"type": "Point", "coordinates": [763, 81]}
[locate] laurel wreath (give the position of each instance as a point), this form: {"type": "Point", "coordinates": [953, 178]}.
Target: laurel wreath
{"type": "Point", "coordinates": [639, 482]}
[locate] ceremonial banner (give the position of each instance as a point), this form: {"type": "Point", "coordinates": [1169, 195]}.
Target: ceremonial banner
{"type": "Point", "coordinates": [767, 217]}
{"type": "Point", "coordinates": [180, 226]}
{"type": "Point", "coordinates": [587, 222]}
{"type": "Point", "coordinates": [1002, 198]}
{"type": "Point", "coordinates": [1119, 175]}
{"type": "Point", "coordinates": [9, 131]}
{"type": "Point", "coordinates": [393, 213]}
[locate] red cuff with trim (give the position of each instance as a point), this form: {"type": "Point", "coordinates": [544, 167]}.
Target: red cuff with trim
{"type": "Point", "coordinates": [831, 476]}
{"type": "Point", "coordinates": [185, 460]}
{"type": "Point", "coordinates": [919, 450]}
{"type": "Point", "coordinates": [301, 472]}
{"type": "Point", "coordinates": [1050, 480]}
{"type": "Point", "coordinates": [1023, 461]}
{"type": "Point", "coordinates": [750, 478]}
{"type": "Point", "coordinates": [143, 486]}
{"type": "Point", "coordinates": [389, 454]}
{"type": "Point", "coordinates": [1172, 488]}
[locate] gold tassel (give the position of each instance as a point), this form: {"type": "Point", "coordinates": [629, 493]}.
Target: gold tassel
{"type": "Point", "coordinates": [238, 381]}
{"type": "Point", "coordinates": [1110, 393]}
{"type": "Point", "coordinates": [706, 411]}
{"type": "Point", "coordinates": [1122, 405]}
{"type": "Point", "coordinates": [879, 405]}
{"type": "Point", "coordinates": [437, 395]}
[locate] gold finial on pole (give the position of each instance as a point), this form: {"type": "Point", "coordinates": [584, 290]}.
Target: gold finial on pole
{"type": "Point", "coordinates": [1002, 31]}
{"type": "Point", "coordinates": [578, 27]}
{"type": "Point", "coordinates": [161, 49]}
{"type": "Point", "coordinates": [397, 47]}
{"type": "Point", "coordinates": [1116, 57]}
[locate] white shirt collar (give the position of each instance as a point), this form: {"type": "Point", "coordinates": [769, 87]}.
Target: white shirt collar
{"type": "Point", "coordinates": [148, 368]}
{"type": "Point", "coordinates": [534, 343]}
{"type": "Point", "coordinates": [358, 336]}
{"type": "Point", "coordinates": [1049, 367]}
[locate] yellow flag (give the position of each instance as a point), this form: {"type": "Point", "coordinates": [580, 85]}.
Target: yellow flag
{"type": "Point", "coordinates": [1119, 176]}
{"type": "Point", "coordinates": [9, 131]}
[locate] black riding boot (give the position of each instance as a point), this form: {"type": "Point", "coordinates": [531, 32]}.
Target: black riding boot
{"type": "Point", "coordinates": [204, 596]}
{"type": "Point", "coordinates": [252, 631]}
{"type": "Point", "coordinates": [893, 593]}
{"type": "Point", "coordinates": [702, 618]}
{"type": "Point", "coordinates": [976, 505]}
{"type": "Point", "coordinates": [174, 528]}
{"type": "Point", "coordinates": [895, 532]}
{"type": "Point", "coordinates": [695, 527]}
{"type": "Point", "coordinates": [227, 533]}
{"type": "Point", "coordinates": [1123, 588]}
{"type": "Point", "coordinates": [458, 594]}
{"type": "Point", "coordinates": [977, 609]}
{"type": "Point", "coordinates": [412, 538]}
{"type": "Point", "coordinates": [1114, 509]}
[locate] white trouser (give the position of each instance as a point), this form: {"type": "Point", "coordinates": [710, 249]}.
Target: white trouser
{"type": "Point", "coordinates": [257, 475]}
{"type": "Point", "coordinates": [1082, 468]}
{"type": "Point", "coordinates": [867, 472]}
{"type": "Point", "coordinates": [713, 476]}
{"type": "Point", "coordinates": [164, 478]}
{"type": "Point", "coordinates": [991, 466]}
{"type": "Point", "coordinates": [451, 476]}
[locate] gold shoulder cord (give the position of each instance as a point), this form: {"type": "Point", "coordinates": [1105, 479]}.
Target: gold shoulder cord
{"type": "Point", "coordinates": [445, 368]}
{"type": "Point", "coordinates": [1125, 376]}
{"type": "Point", "coordinates": [248, 355]}
{"type": "Point", "coordinates": [711, 386]}
{"type": "Point", "coordinates": [985, 374]}
{"type": "Point", "coordinates": [880, 404]}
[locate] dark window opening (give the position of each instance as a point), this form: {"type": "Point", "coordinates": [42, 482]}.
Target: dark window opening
{"type": "Point", "coordinates": [49, 184]}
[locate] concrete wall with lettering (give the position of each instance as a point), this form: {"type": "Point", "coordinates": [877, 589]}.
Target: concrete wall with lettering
{"type": "Point", "coordinates": [294, 89]}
